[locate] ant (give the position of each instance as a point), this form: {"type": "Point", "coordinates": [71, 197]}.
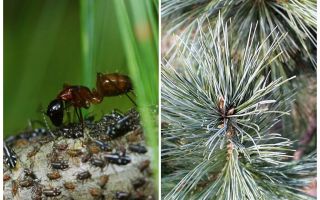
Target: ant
{"type": "Point", "coordinates": [81, 97]}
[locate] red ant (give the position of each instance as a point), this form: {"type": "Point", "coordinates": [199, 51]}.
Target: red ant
{"type": "Point", "coordinates": [81, 97]}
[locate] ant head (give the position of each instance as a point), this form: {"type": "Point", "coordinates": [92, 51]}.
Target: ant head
{"type": "Point", "coordinates": [55, 112]}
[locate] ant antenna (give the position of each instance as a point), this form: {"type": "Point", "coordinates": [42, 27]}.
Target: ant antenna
{"type": "Point", "coordinates": [47, 125]}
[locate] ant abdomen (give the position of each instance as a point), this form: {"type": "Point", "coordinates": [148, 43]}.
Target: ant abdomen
{"type": "Point", "coordinates": [113, 84]}
{"type": "Point", "coordinates": [55, 111]}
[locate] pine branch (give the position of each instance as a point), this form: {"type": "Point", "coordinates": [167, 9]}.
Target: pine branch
{"type": "Point", "coordinates": [220, 112]}
{"type": "Point", "coordinates": [296, 18]}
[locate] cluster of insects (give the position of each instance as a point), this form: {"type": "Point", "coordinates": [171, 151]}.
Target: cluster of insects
{"type": "Point", "coordinates": [97, 151]}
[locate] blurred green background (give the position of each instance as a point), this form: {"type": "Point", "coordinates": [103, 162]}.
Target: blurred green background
{"type": "Point", "coordinates": [48, 43]}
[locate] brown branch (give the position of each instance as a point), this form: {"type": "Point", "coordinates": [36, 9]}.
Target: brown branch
{"type": "Point", "coordinates": [307, 137]}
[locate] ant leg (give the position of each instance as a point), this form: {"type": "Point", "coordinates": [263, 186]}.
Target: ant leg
{"type": "Point", "coordinates": [134, 103]}
{"type": "Point", "coordinates": [81, 119]}
{"type": "Point", "coordinates": [68, 114]}
{"type": "Point", "coordinates": [78, 115]}
{"type": "Point", "coordinates": [133, 93]}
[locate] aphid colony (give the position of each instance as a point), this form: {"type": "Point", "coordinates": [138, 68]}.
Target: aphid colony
{"type": "Point", "coordinates": [100, 153]}
{"type": "Point", "coordinates": [110, 126]}
{"type": "Point", "coordinates": [99, 150]}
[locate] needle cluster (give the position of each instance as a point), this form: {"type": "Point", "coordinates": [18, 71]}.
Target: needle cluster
{"type": "Point", "coordinates": [220, 112]}
{"type": "Point", "coordinates": [295, 17]}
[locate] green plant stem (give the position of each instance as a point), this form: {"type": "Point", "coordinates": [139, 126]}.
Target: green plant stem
{"type": "Point", "coordinates": [87, 39]}
{"type": "Point", "coordinates": [142, 75]}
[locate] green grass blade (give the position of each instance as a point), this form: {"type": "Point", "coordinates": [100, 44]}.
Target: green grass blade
{"type": "Point", "coordinates": [87, 40]}
{"type": "Point", "coordinates": [141, 51]}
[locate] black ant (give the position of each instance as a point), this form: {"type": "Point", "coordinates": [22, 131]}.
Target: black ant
{"type": "Point", "coordinates": [81, 97]}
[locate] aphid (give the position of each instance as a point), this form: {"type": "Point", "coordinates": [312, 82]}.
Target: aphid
{"type": "Point", "coordinates": [116, 158]}
{"type": "Point", "coordinates": [69, 185]}
{"type": "Point", "coordinates": [53, 175]}
{"type": "Point", "coordinates": [74, 152]}
{"type": "Point", "coordinates": [72, 131]}
{"type": "Point", "coordinates": [53, 156]}
{"type": "Point", "coordinates": [103, 146]}
{"type": "Point", "coordinates": [37, 191]}
{"type": "Point", "coordinates": [103, 180]}
{"type": "Point", "coordinates": [95, 192]}
{"type": "Point", "coordinates": [138, 183]}
{"type": "Point", "coordinates": [122, 126]}
{"type": "Point", "coordinates": [83, 175]}
{"type": "Point", "coordinates": [10, 158]}
{"type": "Point", "coordinates": [52, 192]}
{"type": "Point", "coordinates": [135, 135]}
{"type": "Point", "coordinates": [113, 117]}
{"type": "Point", "coordinates": [15, 187]}
{"type": "Point", "coordinates": [38, 132]}
{"type": "Point", "coordinates": [94, 149]}
{"type": "Point", "coordinates": [61, 146]}
{"type": "Point", "coordinates": [60, 164]}
{"type": "Point", "coordinates": [98, 162]}
{"type": "Point", "coordinates": [33, 152]}
{"type": "Point", "coordinates": [6, 177]}
{"type": "Point", "coordinates": [137, 148]}
{"type": "Point", "coordinates": [24, 136]}
{"type": "Point", "coordinates": [86, 157]}
{"type": "Point", "coordinates": [144, 165]}
{"type": "Point", "coordinates": [29, 172]}
{"type": "Point", "coordinates": [27, 182]}
{"type": "Point", "coordinates": [122, 195]}
{"type": "Point", "coordinates": [138, 195]}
